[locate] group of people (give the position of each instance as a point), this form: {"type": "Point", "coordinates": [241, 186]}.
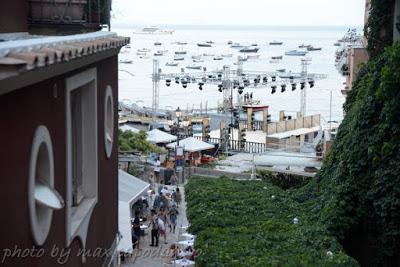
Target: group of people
{"type": "Point", "coordinates": [164, 213]}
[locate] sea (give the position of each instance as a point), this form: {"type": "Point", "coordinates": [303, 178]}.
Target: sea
{"type": "Point", "coordinates": [135, 82]}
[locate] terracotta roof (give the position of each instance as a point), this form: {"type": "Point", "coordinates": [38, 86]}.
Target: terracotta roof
{"type": "Point", "coordinates": [27, 55]}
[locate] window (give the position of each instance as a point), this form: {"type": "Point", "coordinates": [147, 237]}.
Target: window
{"type": "Point", "coordinates": [108, 121]}
{"type": "Point", "coordinates": [42, 196]}
{"type": "Point", "coordinates": [82, 153]}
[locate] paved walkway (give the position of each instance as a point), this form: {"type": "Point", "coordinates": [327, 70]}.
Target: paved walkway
{"type": "Point", "coordinates": [156, 256]}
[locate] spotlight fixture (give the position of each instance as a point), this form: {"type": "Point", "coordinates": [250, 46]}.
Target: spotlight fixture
{"type": "Point", "coordinates": [167, 82]}
{"type": "Point", "coordinates": [283, 88]}
{"type": "Point", "coordinates": [220, 87]}
{"type": "Point", "coordinates": [240, 90]}
{"type": "Point", "coordinates": [273, 78]}
{"type": "Point", "coordinates": [294, 86]}
{"type": "Point", "coordinates": [273, 87]}
{"type": "Point", "coordinates": [302, 85]}
{"type": "Point", "coordinates": [311, 83]}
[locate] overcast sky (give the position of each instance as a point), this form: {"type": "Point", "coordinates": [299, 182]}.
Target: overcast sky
{"type": "Point", "coordinates": [240, 12]}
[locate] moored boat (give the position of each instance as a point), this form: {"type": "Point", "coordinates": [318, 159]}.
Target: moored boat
{"type": "Point", "coordinates": [276, 43]}
{"type": "Point", "coordinates": [312, 48]}
{"type": "Point", "coordinates": [249, 50]}
{"type": "Point", "coordinates": [193, 67]}
{"type": "Point", "coordinates": [171, 64]}
{"type": "Point", "coordinates": [204, 45]}
{"type": "Point", "coordinates": [296, 53]}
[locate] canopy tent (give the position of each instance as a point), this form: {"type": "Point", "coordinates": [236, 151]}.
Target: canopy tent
{"type": "Point", "coordinates": [192, 144]}
{"type": "Point", "coordinates": [156, 136]}
{"type": "Point", "coordinates": [130, 189]}
{"type": "Point", "coordinates": [127, 127]}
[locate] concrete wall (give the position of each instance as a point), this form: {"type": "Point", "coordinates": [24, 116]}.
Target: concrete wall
{"type": "Point", "coordinates": [13, 16]}
{"type": "Point", "coordinates": [21, 111]}
{"type": "Point", "coordinates": [357, 56]}
{"type": "Point", "coordinates": [196, 171]}
{"type": "Point", "coordinates": [289, 125]}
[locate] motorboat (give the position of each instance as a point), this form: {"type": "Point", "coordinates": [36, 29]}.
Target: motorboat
{"type": "Point", "coordinates": [209, 42]}
{"type": "Point", "coordinates": [144, 50]}
{"type": "Point", "coordinates": [198, 60]}
{"type": "Point", "coordinates": [276, 43]}
{"type": "Point", "coordinates": [277, 57]}
{"type": "Point", "coordinates": [242, 59]}
{"type": "Point", "coordinates": [296, 53]}
{"type": "Point", "coordinates": [230, 42]}
{"type": "Point", "coordinates": [177, 58]}
{"type": "Point", "coordinates": [227, 55]}
{"type": "Point", "coordinates": [171, 64]}
{"type": "Point", "coordinates": [304, 46]}
{"type": "Point", "coordinates": [218, 58]}
{"type": "Point", "coordinates": [337, 44]}
{"type": "Point", "coordinates": [127, 46]}
{"type": "Point", "coordinates": [180, 52]}
{"type": "Point", "coordinates": [281, 70]}
{"type": "Point", "coordinates": [125, 61]}
{"type": "Point", "coordinates": [158, 54]}
{"type": "Point", "coordinates": [141, 53]}
{"type": "Point", "coordinates": [312, 48]}
{"type": "Point", "coordinates": [236, 45]}
{"type": "Point", "coordinates": [153, 30]}
{"type": "Point", "coordinates": [181, 43]}
{"type": "Point", "coordinates": [208, 55]}
{"type": "Point", "coordinates": [204, 45]}
{"type": "Point", "coordinates": [249, 50]}
{"type": "Point", "coordinates": [193, 67]}
{"type": "Point", "coordinates": [157, 43]}
{"type": "Point", "coordinates": [254, 45]}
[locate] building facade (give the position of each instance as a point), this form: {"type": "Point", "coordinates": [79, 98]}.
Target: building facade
{"type": "Point", "coordinates": [59, 160]}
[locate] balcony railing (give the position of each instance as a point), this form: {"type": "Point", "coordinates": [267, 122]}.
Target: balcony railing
{"type": "Point", "coordinates": [85, 13]}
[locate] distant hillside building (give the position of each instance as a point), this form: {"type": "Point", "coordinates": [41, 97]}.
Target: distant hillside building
{"type": "Point", "coordinates": [59, 127]}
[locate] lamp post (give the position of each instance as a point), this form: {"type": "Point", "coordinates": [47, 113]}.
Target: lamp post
{"type": "Point", "coordinates": [178, 114]}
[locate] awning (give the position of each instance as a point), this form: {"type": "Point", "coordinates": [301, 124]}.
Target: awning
{"type": "Point", "coordinates": [156, 137]}
{"type": "Point", "coordinates": [130, 189]}
{"type": "Point", "coordinates": [296, 132]}
{"type": "Point", "coordinates": [191, 144]}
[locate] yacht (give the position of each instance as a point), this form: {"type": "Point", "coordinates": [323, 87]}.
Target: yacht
{"type": "Point", "coordinates": [277, 57]}
{"type": "Point", "coordinates": [218, 58]}
{"type": "Point", "coordinates": [296, 53]}
{"type": "Point", "coordinates": [275, 43]}
{"type": "Point", "coordinates": [312, 48]}
{"type": "Point", "coordinates": [158, 54]}
{"type": "Point", "coordinates": [180, 52]}
{"type": "Point", "coordinates": [249, 50]}
{"type": "Point", "coordinates": [209, 42]}
{"type": "Point", "coordinates": [236, 45]}
{"type": "Point", "coordinates": [304, 46]}
{"type": "Point", "coordinates": [208, 55]}
{"type": "Point", "coordinates": [204, 45]}
{"type": "Point", "coordinates": [153, 30]}
{"type": "Point", "coordinates": [193, 67]}
{"type": "Point", "coordinates": [181, 43]}
{"type": "Point", "coordinates": [171, 64]}
{"type": "Point", "coordinates": [227, 55]}
{"type": "Point", "coordinates": [157, 43]}
{"type": "Point", "coordinates": [230, 42]}
{"type": "Point", "coordinates": [256, 56]}
{"type": "Point", "coordinates": [198, 60]}
{"type": "Point", "coordinates": [177, 58]}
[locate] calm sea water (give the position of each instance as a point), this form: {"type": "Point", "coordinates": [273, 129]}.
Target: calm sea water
{"type": "Point", "coordinates": [138, 88]}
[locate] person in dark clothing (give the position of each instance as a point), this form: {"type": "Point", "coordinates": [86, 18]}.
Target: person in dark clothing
{"type": "Point", "coordinates": [154, 229]}
{"type": "Point", "coordinates": [136, 228]}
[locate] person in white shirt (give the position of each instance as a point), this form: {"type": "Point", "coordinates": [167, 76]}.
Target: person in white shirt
{"type": "Point", "coordinates": [157, 171]}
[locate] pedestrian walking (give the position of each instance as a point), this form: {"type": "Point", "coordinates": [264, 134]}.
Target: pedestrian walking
{"type": "Point", "coordinates": [154, 228]}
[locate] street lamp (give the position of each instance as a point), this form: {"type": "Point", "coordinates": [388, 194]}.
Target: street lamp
{"type": "Point", "coordinates": [178, 114]}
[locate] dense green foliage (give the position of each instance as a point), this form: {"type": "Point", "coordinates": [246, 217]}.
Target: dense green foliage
{"type": "Point", "coordinates": [360, 181]}
{"type": "Point", "coordinates": [379, 27]}
{"type": "Point", "coordinates": [130, 141]}
{"type": "Point", "coordinates": [250, 223]}
{"type": "Point", "coordinates": [283, 180]}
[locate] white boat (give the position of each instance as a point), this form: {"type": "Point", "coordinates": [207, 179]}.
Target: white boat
{"type": "Point", "coordinates": [153, 30]}
{"type": "Point", "coordinates": [181, 43]}
{"type": "Point", "coordinates": [180, 52]}
{"type": "Point", "coordinates": [208, 55]}
{"type": "Point", "coordinates": [144, 57]}
{"type": "Point", "coordinates": [227, 55]}
{"type": "Point", "coordinates": [199, 60]}
{"type": "Point", "coordinates": [141, 53]}
{"type": "Point", "coordinates": [281, 70]}
{"type": "Point", "coordinates": [218, 58]}
{"type": "Point", "coordinates": [236, 45]}
{"type": "Point", "coordinates": [312, 48]}
{"type": "Point", "coordinates": [304, 46]}
{"type": "Point", "coordinates": [242, 59]}
{"type": "Point", "coordinates": [157, 43]}
{"type": "Point", "coordinates": [296, 53]}
{"type": "Point", "coordinates": [178, 58]}
{"type": "Point", "coordinates": [277, 57]}
{"type": "Point", "coordinates": [158, 54]}
{"type": "Point", "coordinates": [249, 50]}
{"type": "Point", "coordinates": [204, 45]}
{"type": "Point", "coordinates": [274, 61]}
{"type": "Point", "coordinates": [127, 46]}
{"type": "Point", "coordinates": [171, 64]}
{"type": "Point", "coordinates": [194, 67]}
{"type": "Point", "coordinates": [276, 43]}
{"type": "Point", "coordinates": [144, 50]}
